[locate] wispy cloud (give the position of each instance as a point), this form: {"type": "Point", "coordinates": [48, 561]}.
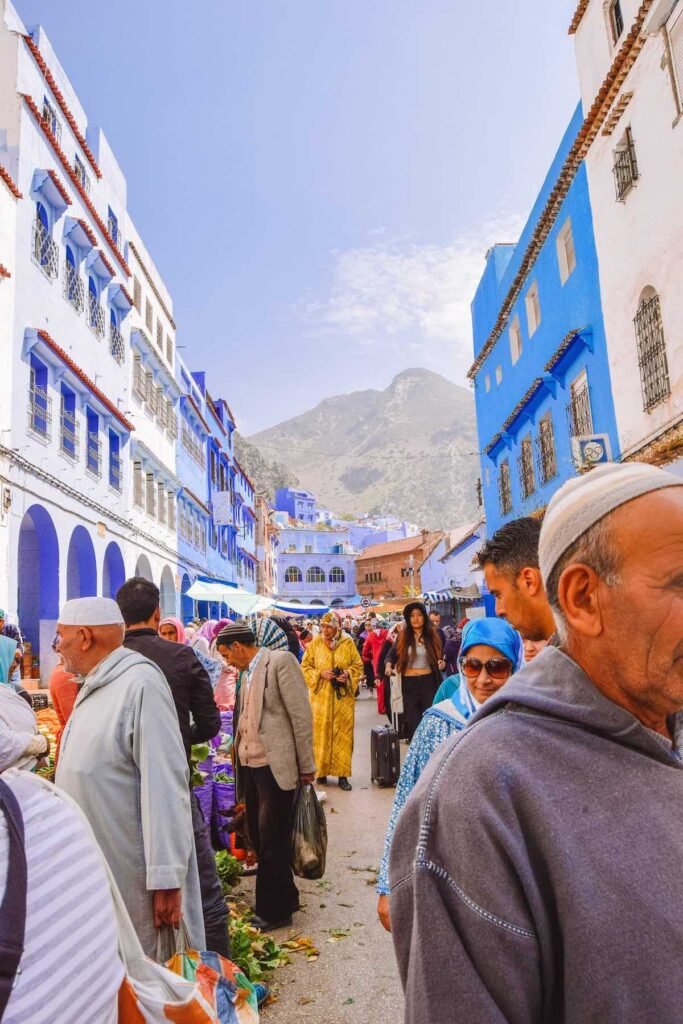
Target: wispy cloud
{"type": "Point", "coordinates": [400, 295]}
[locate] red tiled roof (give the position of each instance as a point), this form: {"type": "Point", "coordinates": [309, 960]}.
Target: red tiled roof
{"type": "Point", "coordinates": [58, 185]}
{"type": "Point", "coordinates": [593, 122]}
{"type": "Point", "coordinates": [578, 16]}
{"type": "Point", "coordinates": [107, 264]}
{"type": "Point", "coordinates": [71, 120]}
{"type": "Point", "coordinates": [150, 282]}
{"type": "Point", "coordinates": [86, 380]}
{"type": "Point", "coordinates": [7, 178]}
{"type": "Point", "coordinates": [125, 292]}
{"type": "Point", "coordinates": [4, 272]}
{"type": "Point", "coordinates": [399, 547]}
{"type": "Point", "coordinates": [92, 238]}
{"type": "Point", "coordinates": [75, 181]}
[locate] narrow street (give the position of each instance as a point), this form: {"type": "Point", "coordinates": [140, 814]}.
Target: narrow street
{"type": "Point", "coordinates": [355, 977]}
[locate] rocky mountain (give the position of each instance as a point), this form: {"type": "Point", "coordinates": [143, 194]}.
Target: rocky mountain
{"type": "Point", "coordinates": [269, 474]}
{"type": "Point", "coordinates": [409, 450]}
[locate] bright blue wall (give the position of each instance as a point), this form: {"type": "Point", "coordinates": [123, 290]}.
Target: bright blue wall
{"type": "Point", "coordinates": [574, 305]}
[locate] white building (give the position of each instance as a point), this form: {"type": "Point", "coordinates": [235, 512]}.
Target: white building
{"type": "Point", "coordinates": [630, 64]}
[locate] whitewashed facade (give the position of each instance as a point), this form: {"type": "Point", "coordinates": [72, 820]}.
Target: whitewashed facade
{"type": "Point", "coordinates": [630, 63]}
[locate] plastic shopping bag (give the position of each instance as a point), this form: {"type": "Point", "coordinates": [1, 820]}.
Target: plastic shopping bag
{"type": "Point", "coordinates": [309, 835]}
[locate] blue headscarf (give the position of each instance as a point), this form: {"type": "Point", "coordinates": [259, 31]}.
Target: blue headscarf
{"type": "Point", "coordinates": [7, 648]}
{"type": "Point", "coordinates": [494, 633]}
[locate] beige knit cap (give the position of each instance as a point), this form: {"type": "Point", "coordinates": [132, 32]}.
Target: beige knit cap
{"type": "Point", "coordinates": [585, 500]}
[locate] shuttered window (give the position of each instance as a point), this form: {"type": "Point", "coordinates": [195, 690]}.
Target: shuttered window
{"type": "Point", "coordinates": [676, 44]}
{"type": "Point", "coordinates": [137, 295]}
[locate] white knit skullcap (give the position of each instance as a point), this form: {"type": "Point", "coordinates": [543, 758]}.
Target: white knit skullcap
{"type": "Point", "coordinates": [91, 611]}
{"type": "Point", "coordinates": [585, 500]}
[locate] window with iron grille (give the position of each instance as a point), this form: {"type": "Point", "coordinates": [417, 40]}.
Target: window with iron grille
{"type": "Point", "coordinates": [50, 119]}
{"type": "Point", "coordinates": [138, 489]}
{"type": "Point", "coordinates": [504, 489]}
{"type": "Point", "coordinates": [161, 503]}
{"type": "Point", "coordinates": [150, 495]}
{"type": "Point", "coordinates": [93, 456]}
{"type": "Point", "coordinates": [113, 227]}
{"type": "Point", "coordinates": [68, 424]}
{"type": "Point", "coordinates": [39, 403]}
{"type": "Point", "coordinates": [545, 450]}
{"type": "Point", "coordinates": [73, 289]}
{"type": "Point", "coordinates": [625, 166]}
{"type": "Point", "coordinates": [525, 465]}
{"type": "Point", "coordinates": [137, 294]}
{"type": "Point", "coordinates": [149, 316]}
{"type": "Point", "coordinates": [579, 413]}
{"type": "Point", "coordinates": [652, 360]}
{"type": "Point", "coordinates": [115, 469]}
{"type": "Point", "coordinates": [44, 249]}
{"type": "Point", "coordinates": [81, 173]}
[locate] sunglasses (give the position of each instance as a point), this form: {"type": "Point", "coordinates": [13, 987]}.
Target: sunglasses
{"type": "Point", "coordinates": [495, 668]}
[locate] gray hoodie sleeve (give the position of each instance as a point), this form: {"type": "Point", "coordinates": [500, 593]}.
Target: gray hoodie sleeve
{"type": "Point", "coordinates": [465, 941]}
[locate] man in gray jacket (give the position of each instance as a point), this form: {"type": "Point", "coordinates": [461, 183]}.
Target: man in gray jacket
{"type": "Point", "coordinates": [274, 744]}
{"type": "Point", "coordinates": [540, 852]}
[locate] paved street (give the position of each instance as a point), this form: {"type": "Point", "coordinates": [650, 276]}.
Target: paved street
{"type": "Point", "coordinates": [355, 978]}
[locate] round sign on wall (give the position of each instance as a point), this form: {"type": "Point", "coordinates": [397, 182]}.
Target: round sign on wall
{"type": "Point", "coordinates": [366, 602]}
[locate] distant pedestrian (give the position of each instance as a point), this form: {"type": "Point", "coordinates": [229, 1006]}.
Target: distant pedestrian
{"type": "Point", "coordinates": [372, 648]}
{"type": "Point", "coordinates": [435, 619]}
{"type": "Point", "coordinates": [415, 657]}
{"type": "Point", "coordinates": [333, 668]}
{"type": "Point", "coordinates": [274, 747]}
{"type": "Point", "coordinates": [540, 847]}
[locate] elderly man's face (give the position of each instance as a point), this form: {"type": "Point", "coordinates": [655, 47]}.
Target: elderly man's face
{"type": "Point", "coordinates": [80, 648]}
{"type": "Point", "coordinates": [642, 616]}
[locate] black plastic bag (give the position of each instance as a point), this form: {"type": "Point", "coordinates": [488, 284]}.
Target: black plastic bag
{"type": "Point", "coordinates": [309, 835]}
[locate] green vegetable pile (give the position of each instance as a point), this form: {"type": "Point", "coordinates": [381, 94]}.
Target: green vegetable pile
{"type": "Point", "coordinates": [199, 752]}
{"type": "Point", "coordinates": [254, 952]}
{"type": "Point", "coordinates": [228, 869]}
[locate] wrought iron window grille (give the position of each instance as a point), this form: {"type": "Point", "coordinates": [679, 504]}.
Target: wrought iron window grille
{"type": "Point", "coordinates": [652, 359]}
{"type": "Point", "coordinates": [51, 121]}
{"type": "Point", "coordinates": [525, 464]}
{"type": "Point", "coordinates": [82, 174]}
{"type": "Point", "coordinates": [117, 346]}
{"type": "Point", "coordinates": [546, 458]}
{"type": "Point", "coordinates": [45, 252]}
{"type": "Point", "coordinates": [579, 413]}
{"type": "Point", "coordinates": [625, 167]}
{"type": "Point", "coordinates": [68, 434]}
{"type": "Point", "coordinates": [73, 290]}
{"type": "Point", "coordinates": [95, 316]}
{"type": "Point", "coordinates": [93, 456]}
{"type": "Point", "coordinates": [115, 472]}
{"type": "Point", "coordinates": [39, 412]}
{"type": "Point", "coordinates": [504, 490]}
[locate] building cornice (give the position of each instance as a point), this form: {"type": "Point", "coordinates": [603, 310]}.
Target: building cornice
{"type": "Point", "coordinates": [91, 386]}
{"type": "Point", "coordinates": [578, 16]}
{"type": "Point", "coordinates": [150, 281]}
{"type": "Point", "coordinates": [593, 122]}
{"type": "Point", "coordinates": [61, 102]}
{"type": "Point", "coordinates": [73, 177]}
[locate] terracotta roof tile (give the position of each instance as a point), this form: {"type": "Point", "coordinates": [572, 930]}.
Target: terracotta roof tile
{"type": "Point", "coordinates": [100, 395]}
{"type": "Point", "coordinates": [4, 272]}
{"type": "Point", "coordinates": [71, 120]}
{"type": "Point", "coordinates": [58, 185]}
{"type": "Point", "coordinates": [398, 547]}
{"type": "Point", "coordinates": [92, 238]}
{"type": "Point", "coordinates": [578, 16]}
{"type": "Point", "coordinates": [75, 181]}
{"type": "Point", "coordinates": [7, 178]}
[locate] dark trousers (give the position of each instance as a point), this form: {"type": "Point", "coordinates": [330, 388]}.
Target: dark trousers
{"type": "Point", "coordinates": [214, 907]}
{"type": "Point", "coordinates": [418, 695]}
{"type": "Point", "coordinates": [269, 811]}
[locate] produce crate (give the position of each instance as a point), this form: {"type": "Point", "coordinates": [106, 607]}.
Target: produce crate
{"type": "Point", "coordinates": [39, 701]}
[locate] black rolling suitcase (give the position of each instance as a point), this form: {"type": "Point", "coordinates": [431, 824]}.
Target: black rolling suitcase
{"type": "Point", "coordinates": [385, 756]}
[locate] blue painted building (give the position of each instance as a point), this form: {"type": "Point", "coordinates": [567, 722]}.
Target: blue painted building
{"type": "Point", "coordinates": [541, 376]}
{"type": "Point", "coordinates": [297, 503]}
{"type": "Point", "coordinates": [451, 581]}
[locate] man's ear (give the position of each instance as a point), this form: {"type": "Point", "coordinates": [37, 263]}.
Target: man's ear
{"type": "Point", "coordinates": [88, 638]}
{"type": "Point", "coordinates": [579, 597]}
{"type": "Point", "coordinates": [529, 580]}
{"type": "Point", "coordinates": [156, 618]}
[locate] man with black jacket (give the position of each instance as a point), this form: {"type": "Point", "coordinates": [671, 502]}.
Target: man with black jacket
{"type": "Point", "coordinates": [199, 721]}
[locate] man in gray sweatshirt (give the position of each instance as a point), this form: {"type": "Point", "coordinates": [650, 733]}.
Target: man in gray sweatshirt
{"type": "Point", "coordinates": [537, 869]}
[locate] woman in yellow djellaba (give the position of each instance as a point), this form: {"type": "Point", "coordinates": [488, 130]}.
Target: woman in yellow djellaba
{"type": "Point", "coordinates": [333, 668]}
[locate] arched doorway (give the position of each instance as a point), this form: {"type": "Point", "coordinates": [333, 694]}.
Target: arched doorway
{"type": "Point", "coordinates": [38, 578]}
{"type": "Point", "coordinates": [144, 569]}
{"type": "Point", "coordinates": [167, 592]}
{"type": "Point", "coordinates": [186, 603]}
{"type": "Point", "coordinates": [113, 571]}
{"type": "Point", "coordinates": [81, 567]}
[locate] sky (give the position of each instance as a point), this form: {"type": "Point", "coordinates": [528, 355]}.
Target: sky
{"type": "Point", "coordinates": [318, 181]}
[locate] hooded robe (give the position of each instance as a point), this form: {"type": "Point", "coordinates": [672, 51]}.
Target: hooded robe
{"type": "Point", "coordinates": [122, 760]}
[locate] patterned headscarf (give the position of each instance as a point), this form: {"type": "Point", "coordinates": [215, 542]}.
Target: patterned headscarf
{"type": "Point", "coordinates": [332, 619]}
{"type": "Point", "coordinates": [269, 634]}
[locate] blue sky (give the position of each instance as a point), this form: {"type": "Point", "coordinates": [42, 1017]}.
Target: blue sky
{"type": "Point", "coordinates": [318, 180]}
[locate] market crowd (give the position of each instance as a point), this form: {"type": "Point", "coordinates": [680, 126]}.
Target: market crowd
{"type": "Point", "coordinates": [535, 833]}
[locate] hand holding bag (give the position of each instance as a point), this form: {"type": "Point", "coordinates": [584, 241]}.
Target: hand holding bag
{"type": "Point", "coordinates": [309, 835]}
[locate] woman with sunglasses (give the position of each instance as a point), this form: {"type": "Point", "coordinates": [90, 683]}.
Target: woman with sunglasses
{"type": "Point", "coordinates": [490, 653]}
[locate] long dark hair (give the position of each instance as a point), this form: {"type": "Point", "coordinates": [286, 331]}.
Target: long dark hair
{"type": "Point", "coordinates": [406, 643]}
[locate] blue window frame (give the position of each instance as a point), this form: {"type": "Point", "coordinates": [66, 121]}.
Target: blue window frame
{"type": "Point", "coordinates": [115, 479]}
{"type": "Point", "coordinates": [113, 225]}
{"type": "Point", "coordinates": [68, 427]}
{"type": "Point", "coordinates": [92, 452]}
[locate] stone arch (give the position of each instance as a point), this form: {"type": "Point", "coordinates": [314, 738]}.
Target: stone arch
{"type": "Point", "coordinates": [143, 568]}
{"type": "Point", "coordinates": [167, 592]}
{"type": "Point", "coordinates": [81, 565]}
{"type": "Point", "coordinates": [186, 603]}
{"type": "Point", "coordinates": [38, 577]}
{"type": "Point", "coordinates": [113, 570]}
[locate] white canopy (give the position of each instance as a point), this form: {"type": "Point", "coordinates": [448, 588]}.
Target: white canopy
{"type": "Point", "coordinates": [241, 601]}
